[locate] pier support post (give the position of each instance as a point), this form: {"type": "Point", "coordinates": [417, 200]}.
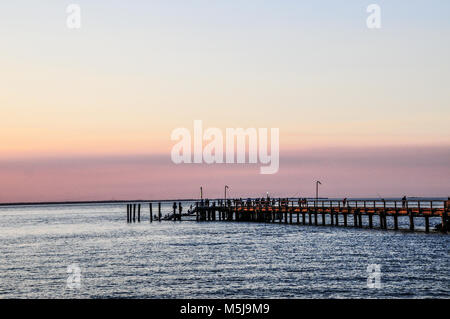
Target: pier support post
{"type": "Point", "coordinates": [411, 220]}
{"type": "Point", "coordinates": [427, 224]}
{"type": "Point", "coordinates": [323, 219]}
{"type": "Point", "coordinates": [139, 213]}
{"type": "Point", "coordinates": [298, 218]}
{"type": "Point", "coordinates": [381, 220]}
{"type": "Point", "coordinates": [151, 212]}
{"type": "Point", "coordinates": [360, 219]}
{"type": "Point", "coordinates": [134, 213]}
{"type": "Point", "coordinates": [355, 219]}
{"type": "Point", "coordinates": [345, 219]}
{"type": "Point", "coordinates": [303, 218]}
{"type": "Point", "coordinates": [290, 218]}
{"type": "Point", "coordinates": [337, 219]}
{"type": "Point", "coordinates": [316, 212]}
{"type": "Point", "coordinates": [159, 211]}
{"type": "Point", "coordinates": [370, 220]}
{"type": "Point", "coordinates": [444, 222]}
{"type": "Point", "coordinates": [128, 213]}
{"type": "Point", "coordinates": [395, 216]}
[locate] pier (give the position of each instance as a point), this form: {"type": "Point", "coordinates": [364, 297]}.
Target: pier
{"type": "Point", "coordinates": [312, 212]}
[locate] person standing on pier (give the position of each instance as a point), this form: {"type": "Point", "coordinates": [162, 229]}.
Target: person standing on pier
{"type": "Point", "coordinates": [404, 202]}
{"type": "Point", "coordinates": [174, 210]}
{"type": "Point", "coordinates": [344, 201]}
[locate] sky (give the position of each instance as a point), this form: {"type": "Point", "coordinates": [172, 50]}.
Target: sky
{"type": "Point", "coordinates": [87, 114]}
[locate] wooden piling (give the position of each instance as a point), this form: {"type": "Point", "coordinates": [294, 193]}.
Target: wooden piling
{"type": "Point", "coordinates": [151, 213]}
{"type": "Point", "coordinates": [139, 213]}
{"type": "Point", "coordinates": [159, 211]}
{"type": "Point", "coordinates": [444, 222]}
{"type": "Point", "coordinates": [360, 218]}
{"type": "Point", "coordinates": [134, 213]}
{"type": "Point", "coordinates": [380, 214]}
{"type": "Point", "coordinates": [411, 217]}
{"type": "Point", "coordinates": [331, 215]}
{"type": "Point", "coordinates": [395, 216]}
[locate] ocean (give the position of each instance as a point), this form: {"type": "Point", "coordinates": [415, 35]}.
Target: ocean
{"type": "Point", "coordinates": [190, 259]}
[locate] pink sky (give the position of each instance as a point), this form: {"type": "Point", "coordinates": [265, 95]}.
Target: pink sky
{"type": "Point", "coordinates": [344, 172]}
{"type": "Point", "coordinates": [364, 110]}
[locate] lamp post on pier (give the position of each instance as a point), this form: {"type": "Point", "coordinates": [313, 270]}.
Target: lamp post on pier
{"type": "Point", "coordinates": [226, 187]}
{"type": "Point", "coordinates": [317, 191]}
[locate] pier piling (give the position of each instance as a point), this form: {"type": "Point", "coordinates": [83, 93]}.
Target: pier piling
{"type": "Point", "coordinates": [151, 212]}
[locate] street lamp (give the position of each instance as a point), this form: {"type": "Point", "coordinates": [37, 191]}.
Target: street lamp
{"type": "Point", "coordinates": [226, 187]}
{"type": "Point", "coordinates": [317, 191]}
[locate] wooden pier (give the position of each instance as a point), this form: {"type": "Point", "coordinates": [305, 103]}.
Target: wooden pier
{"type": "Point", "coordinates": [336, 213]}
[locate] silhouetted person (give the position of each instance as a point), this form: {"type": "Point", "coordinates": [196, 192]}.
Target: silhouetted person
{"type": "Point", "coordinates": [404, 201]}
{"type": "Point", "coordinates": [174, 209]}
{"type": "Point", "coordinates": [344, 201]}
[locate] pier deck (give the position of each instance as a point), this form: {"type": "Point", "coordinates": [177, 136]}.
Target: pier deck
{"type": "Point", "coordinates": [319, 212]}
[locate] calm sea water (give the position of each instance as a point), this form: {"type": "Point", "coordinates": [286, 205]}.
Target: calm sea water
{"type": "Point", "coordinates": [210, 259]}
